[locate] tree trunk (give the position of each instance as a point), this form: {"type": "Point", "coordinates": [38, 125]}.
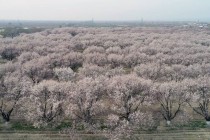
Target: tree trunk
{"type": "Point", "coordinates": [168, 123]}
{"type": "Point", "coordinates": [87, 119]}
{"type": "Point", "coordinates": [6, 116]}
{"type": "Point", "coordinates": [6, 124]}
{"type": "Point", "coordinates": [208, 123]}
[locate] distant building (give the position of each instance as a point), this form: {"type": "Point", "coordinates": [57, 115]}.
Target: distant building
{"type": "Point", "coordinates": [1, 30]}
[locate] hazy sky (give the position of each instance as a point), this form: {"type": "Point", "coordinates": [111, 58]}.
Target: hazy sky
{"type": "Point", "coordinates": [172, 10]}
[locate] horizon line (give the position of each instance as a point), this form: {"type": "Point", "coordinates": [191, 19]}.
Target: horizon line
{"type": "Point", "coordinates": [139, 20]}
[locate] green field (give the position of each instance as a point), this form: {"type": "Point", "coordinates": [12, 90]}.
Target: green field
{"type": "Point", "coordinates": [172, 135]}
{"type": "Point", "coordinates": [17, 130]}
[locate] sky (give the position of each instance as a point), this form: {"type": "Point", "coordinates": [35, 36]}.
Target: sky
{"type": "Point", "coordinates": [106, 10]}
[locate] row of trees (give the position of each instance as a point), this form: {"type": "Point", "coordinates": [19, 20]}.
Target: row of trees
{"type": "Point", "coordinates": [89, 97]}
{"type": "Point", "coordinates": [125, 76]}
